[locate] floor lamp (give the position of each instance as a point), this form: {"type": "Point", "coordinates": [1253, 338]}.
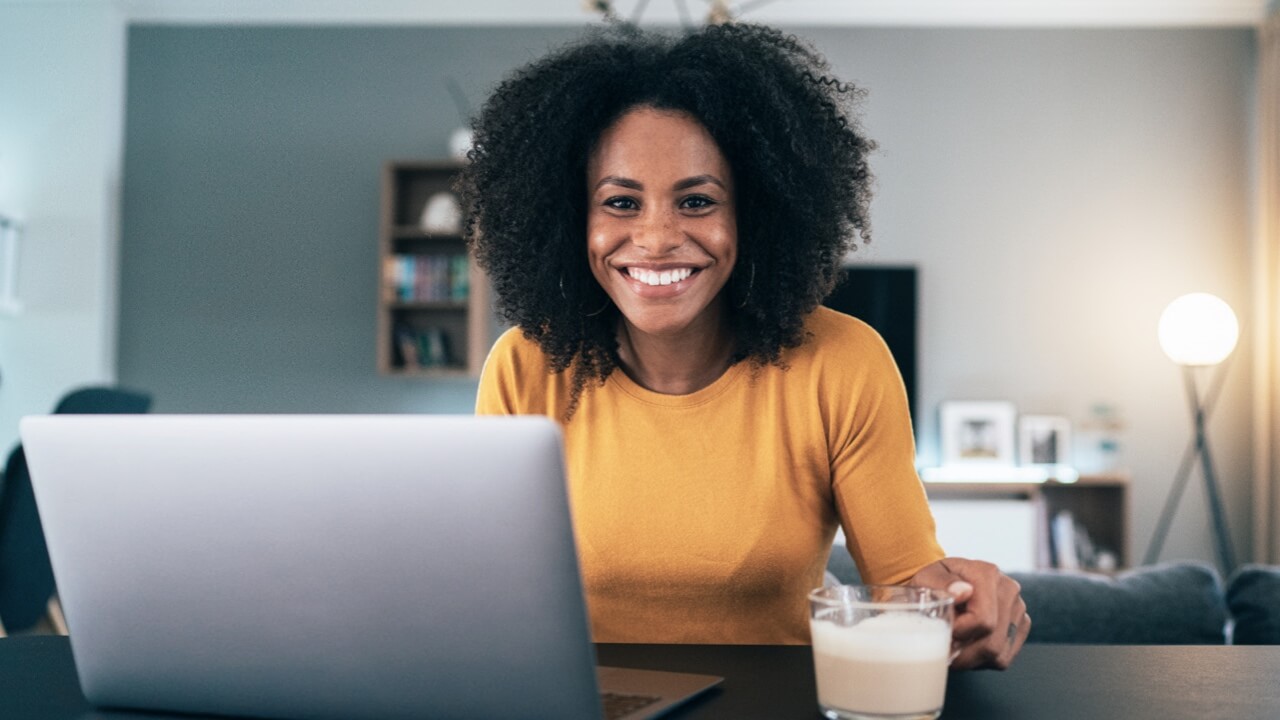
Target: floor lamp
{"type": "Point", "coordinates": [1198, 332]}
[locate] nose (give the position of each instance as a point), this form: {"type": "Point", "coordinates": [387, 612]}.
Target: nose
{"type": "Point", "coordinates": [658, 232]}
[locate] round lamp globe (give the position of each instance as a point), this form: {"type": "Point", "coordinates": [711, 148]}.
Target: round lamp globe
{"type": "Point", "coordinates": [1198, 329]}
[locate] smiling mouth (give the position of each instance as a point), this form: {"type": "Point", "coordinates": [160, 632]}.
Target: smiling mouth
{"type": "Point", "coordinates": [654, 278]}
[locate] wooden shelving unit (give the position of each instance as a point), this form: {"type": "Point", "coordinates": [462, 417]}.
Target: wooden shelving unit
{"type": "Point", "coordinates": [433, 307]}
{"type": "Point", "coordinates": [1099, 504]}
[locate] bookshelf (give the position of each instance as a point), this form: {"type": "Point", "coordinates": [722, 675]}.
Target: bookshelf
{"type": "Point", "coordinates": [433, 301]}
{"type": "Point", "coordinates": [1096, 505]}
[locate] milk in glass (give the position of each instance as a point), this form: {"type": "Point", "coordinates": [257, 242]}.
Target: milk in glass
{"type": "Point", "coordinates": [893, 664]}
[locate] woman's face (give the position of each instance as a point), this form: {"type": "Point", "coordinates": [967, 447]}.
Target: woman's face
{"type": "Point", "coordinates": [662, 236]}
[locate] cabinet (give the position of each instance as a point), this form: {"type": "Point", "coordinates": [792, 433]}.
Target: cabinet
{"type": "Point", "coordinates": [1090, 514]}
{"type": "Point", "coordinates": [433, 301]}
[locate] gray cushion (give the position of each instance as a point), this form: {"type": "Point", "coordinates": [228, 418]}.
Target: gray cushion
{"type": "Point", "coordinates": [840, 564]}
{"type": "Point", "coordinates": [1170, 604]}
{"type": "Point", "coordinates": [1254, 598]}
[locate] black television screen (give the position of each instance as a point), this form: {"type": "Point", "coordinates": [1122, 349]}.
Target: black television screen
{"type": "Point", "coordinates": [885, 298]}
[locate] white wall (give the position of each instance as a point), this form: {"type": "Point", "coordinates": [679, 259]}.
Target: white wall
{"type": "Point", "coordinates": [1057, 189]}
{"type": "Point", "coordinates": [61, 116]}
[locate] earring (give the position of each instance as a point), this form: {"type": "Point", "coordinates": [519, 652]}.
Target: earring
{"type": "Point", "coordinates": [751, 281]}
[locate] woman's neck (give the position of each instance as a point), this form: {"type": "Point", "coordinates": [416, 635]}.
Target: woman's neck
{"type": "Point", "coordinates": [676, 364]}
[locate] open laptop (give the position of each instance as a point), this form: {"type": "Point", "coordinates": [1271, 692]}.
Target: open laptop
{"type": "Point", "coordinates": [324, 567]}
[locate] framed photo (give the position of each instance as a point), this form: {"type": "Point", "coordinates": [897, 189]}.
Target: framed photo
{"type": "Point", "coordinates": [977, 433]}
{"type": "Point", "coordinates": [1044, 440]}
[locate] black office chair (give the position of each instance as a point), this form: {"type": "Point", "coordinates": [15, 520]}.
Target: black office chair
{"type": "Point", "coordinates": [26, 578]}
{"type": "Point", "coordinates": [103, 401]}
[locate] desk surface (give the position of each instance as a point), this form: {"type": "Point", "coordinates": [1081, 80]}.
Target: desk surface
{"type": "Point", "coordinates": [1048, 682]}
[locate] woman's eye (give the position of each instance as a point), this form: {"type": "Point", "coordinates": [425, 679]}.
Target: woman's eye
{"type": "Point", "coordinates": [621, 203]}
{"type": "Point", "coordinates": [697, 202]}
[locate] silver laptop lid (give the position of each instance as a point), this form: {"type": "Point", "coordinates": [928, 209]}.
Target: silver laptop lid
{"type": "Point", "coordinates": [316, 566]}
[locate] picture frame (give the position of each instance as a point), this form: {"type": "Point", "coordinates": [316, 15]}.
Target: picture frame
{"type": "Point", "coordinates": [1044, 440]}
{"type": "Point", "coordinates": [977, 433]}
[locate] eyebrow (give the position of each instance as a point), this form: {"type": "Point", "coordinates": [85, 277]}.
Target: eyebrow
{"type": "Point", "coordinates": [697, 180]}
{"type": "Point", "coordinates": [681, 185]}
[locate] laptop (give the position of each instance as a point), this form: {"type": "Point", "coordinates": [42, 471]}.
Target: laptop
{"type": "Point", "coordinates": [324, 567]}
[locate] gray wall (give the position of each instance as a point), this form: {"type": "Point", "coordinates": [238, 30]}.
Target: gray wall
{"type": "Point", "coordinates": [248, 265]}
{"type": "Point", "coordinates": [1056, 188]}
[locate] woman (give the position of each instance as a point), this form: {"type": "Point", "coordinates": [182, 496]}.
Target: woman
{"type": "Point", "coordinates": [660, 218]}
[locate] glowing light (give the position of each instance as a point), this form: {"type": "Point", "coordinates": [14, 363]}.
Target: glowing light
{"type": "Point", "coordinates": [1198, 329]}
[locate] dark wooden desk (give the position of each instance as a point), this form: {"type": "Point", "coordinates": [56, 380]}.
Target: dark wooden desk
{"type": "Point", "coordinates": [1049, 682]}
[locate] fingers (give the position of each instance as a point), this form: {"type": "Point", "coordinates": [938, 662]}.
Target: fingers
{"type": "Point", "coordinates": [961, 590]}
{"type": "Point", "coordinates": [978, 615]}
{"type": "Point", "coordinates": [991, 622]}
{"type": "Point", "coordinates": [991, 627]}
{"type": "Point", "coordinates": [1017, 623]}
{"type": "Point", "coordinates": [997, 650]}
{"type": "Point", "coordinates": [1016, 638]}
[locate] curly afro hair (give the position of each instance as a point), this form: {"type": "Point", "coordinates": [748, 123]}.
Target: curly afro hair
{"type": "Point", "coordinates": [786, 127]}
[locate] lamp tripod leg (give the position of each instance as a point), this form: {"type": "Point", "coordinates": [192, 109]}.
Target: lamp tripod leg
{"type": "Point", "coordinates": [1221, 533]}
{"type": "Point", "coordinates": [1171, 504]}
{"type": "Point", "coordinates": [1197, 448]}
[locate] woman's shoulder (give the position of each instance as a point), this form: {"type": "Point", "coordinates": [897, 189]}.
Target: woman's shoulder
{"type": "Point", "coordinates": [514, 359]}
{"type": "Point", "coordinates": [833, 331]}
{"type": "Point", "coordinates": [841, 349]}
{"type": "Point", "coordinates": [513, 340]}
{"type": "Point", "coordinates": [513, 346]}
{"type": "Point", "coordinates": [516, 378]}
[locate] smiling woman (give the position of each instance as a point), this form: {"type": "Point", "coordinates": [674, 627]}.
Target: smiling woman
{"type": "Point", "coordinates": [792, 156]}
{"type": "Point", "coordinates": [660, 218]}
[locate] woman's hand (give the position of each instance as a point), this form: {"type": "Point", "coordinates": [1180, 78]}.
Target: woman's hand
{"type": "Point", "coordinates": [991, 622]}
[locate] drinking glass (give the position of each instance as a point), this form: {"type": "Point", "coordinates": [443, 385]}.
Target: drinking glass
{"type": "Point", "coordinates": [881, 651]}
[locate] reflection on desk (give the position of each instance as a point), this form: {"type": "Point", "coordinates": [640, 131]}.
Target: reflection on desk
{"type": "Point", "coordinates": [1048, 682]}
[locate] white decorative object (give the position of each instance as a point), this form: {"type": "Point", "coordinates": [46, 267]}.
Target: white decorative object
{"type": "Point", "coordinates": [460, 143]}
{"type": "Point", "coordinates": [442, 215]}
{"type": "Point", "coordinates": [1097, 443]}
{"type": "Point", "coordinates": [977, 433]}
{"type": "Point", "coordinates": [10, 237]}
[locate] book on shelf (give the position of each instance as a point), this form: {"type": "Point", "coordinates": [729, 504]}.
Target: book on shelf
{"type": "Point", "coordinates": [427, 277]}
{"type": "Point", "coordinates": [1074, 548]}
{"type": "Point", "coordinates": [460, 277]}
{"type": "Point", "coordinates": [422, 348]}
{"type": "Point", "coordinates": [1065, 543]}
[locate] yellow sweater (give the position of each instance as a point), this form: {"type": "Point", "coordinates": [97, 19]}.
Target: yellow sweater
{"type": "Point", "coordinates": [707, 518]}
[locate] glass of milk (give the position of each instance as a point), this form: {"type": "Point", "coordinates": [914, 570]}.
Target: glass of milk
{"type": "Point", "coordinates": [880, 651]}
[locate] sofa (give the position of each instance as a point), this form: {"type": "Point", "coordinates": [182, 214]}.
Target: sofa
{"type": "Point", "coordinates": [1177, 603]}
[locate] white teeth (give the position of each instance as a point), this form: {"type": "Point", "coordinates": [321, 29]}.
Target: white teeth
{"type": "Point", "coordinates": [649, 277]}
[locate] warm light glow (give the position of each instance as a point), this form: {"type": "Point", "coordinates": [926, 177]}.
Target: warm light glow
{"type": "Point", "coordinates": [1198, 329]}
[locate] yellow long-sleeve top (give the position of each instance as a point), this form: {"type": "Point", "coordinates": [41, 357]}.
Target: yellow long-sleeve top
{"type": "Point", "coordinates": [707, 517]}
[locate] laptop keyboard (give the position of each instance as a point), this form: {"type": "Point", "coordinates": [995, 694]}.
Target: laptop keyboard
{"type": "Point", "coordinates": [618, 705]}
